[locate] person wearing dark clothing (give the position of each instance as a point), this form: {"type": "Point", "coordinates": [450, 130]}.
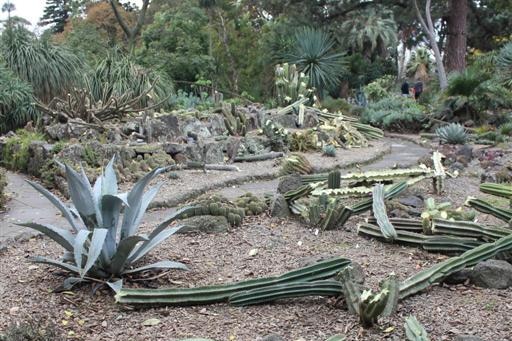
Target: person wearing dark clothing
{"type": "Point", "coordinates": [418, 89]}
{"type": "Point", "coordinates": [405, 89]}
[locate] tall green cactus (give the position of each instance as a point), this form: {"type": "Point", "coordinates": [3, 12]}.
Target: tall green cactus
{"type": "Point", "coordinates": [235, 122]}
{"type": "Point", "coordinates": [290, 84]}
{"type": "Point", "coordinates": [414, 330]}
{"type": "Point", "coordinates": [439, 172]}
{"type": "Point", "coordinates": [379, 212]}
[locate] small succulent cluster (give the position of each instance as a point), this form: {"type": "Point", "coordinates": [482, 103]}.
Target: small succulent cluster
{"type": "Point", "coordinates": [215, 205]}
{"type": "Point", "coordinates": [453, 133]}
{"type": "Point", "coordinates": [329, 150]}
{"type": "Point", "coordinates": [296, 164]}
{"type": "Point", "coordinates": [304, 141]}
{"type": "Point", "coordinates": [251, 204]}
{"type": "Point", "coordinates": [137, 168]}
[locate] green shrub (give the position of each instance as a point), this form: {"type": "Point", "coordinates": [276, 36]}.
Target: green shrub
{"type": "Point", "coordinates": [395, 113]}
{"type": "Point", "coordinates": [16, 102]}
{"type": "Point", "coordinates": [336, 105]}
{"type": "Point", "coordinates": [15, 152]}
{"type": "Point", "coordinates": [379, 88]}
{"type": "Point", "coordinates": [3, 183]}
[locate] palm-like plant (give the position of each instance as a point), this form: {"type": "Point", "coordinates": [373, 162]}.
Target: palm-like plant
{"type": "Point", "coordinates": [420, 64]}
{"type": "Point", "coordinates": [50, 69]}
{"type": "Point", "coordinates": [504, 64]}
{"type": "Point", "coordinates": [99, 248]}
{"type": "Point", "coordinates": [314, 54]}
{"type": "Point", "coordinates": [369, 30]}
{"type": "Point", "coordinates": [16, 101]}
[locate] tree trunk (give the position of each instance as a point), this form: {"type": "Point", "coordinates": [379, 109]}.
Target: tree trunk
{"type": "Point", "coordinates": [456, 25]}
{"type": "Point", "coordinates": [428, 27]}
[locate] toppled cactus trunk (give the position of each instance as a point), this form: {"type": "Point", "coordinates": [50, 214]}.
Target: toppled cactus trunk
{"type": "Point", "coordinates": [414, 330]}
{"type": "Point", "coordinates": [485, 207]}
{"type": "Point", "coordinates": [221, 293]}
{"type": "Point", "coordinates": [296, 164]}
{"type": "Point", "coordinates": [439, 173]}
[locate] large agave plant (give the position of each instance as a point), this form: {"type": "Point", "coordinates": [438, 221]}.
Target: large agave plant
{"type": "Point", "coordinates": [100, 245]}
{"type": "Point", "coordinates": [452, 133]}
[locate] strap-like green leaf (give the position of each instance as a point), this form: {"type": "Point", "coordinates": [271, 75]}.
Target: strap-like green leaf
{"type": "Point", "coordinates": [166, 264]}
{"type": "Point", "coordinates": [152, 243]}
{"type": "Point", "coordinates": [61, 236]}
{"type": "Point", "coordinates": [66, 212]}
{"type": "Point", "coordinates": [135, 196]}
{"type": "Point", "coordinates": [95, 247]}
{"type": "Point", "coordinates": [78, 247]}
{"type": "Point", "coordinates": [124, 250]}
{"type": "Point", "coordinates": [64, 266]}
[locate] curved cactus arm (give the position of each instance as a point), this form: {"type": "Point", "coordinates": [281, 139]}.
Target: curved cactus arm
{"type": "Point", "coordinates": [66, 212]}
{"type": "Point", "coordinates": [162, 265]}
{"type": "Point", "coordinates": [379, 211]}
{"type": "Point", "coordinates": [485, 207]}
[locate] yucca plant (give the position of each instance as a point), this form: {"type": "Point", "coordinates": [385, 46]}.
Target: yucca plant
{"type": "Point", "coordinates": [102, 246]}
{"type": "Point", "coordinates": [453, 133]}
{"type": "Point", "coordinates": [314, 54]}
{"type": "Point", "coordinates": [420, 64]}
{"type": "Point", "coordinates": [504, 64]}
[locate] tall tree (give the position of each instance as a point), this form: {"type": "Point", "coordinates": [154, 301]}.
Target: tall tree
{"type": "Point", "coordinates": [131, 33]}
{"type": "Point", "coordinates": [456, 45]}
{"type": "Point", "coordinates": [56, 13]}
{"type": "Point", "coordinates": [428, 26]}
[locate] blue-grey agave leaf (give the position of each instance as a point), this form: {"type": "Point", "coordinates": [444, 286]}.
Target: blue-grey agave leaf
{"type": "Point", "coordinates": [162, 265]}
{"type": "Point", "coordinates": [131, 213]}
{"type": "Point", "coordinates": [152, 243]}
{"type": "Point", "coordinates": [110, 179]}
{"type": "Point", "coordinates": [62, 265]}
{"type": "Point", "coordinates": [63, 237]}
{"type": "Point", "coordinates": [170, 219]}
{"type": "Point", "coordinates": [81, 194]}
{"type": "Point", "coordinates": [147, 198]}
{"type": "Point", "coordinates": [124, 250]}
{"type": "Point", "coordinates": [66, 212]}
{"type": "Point", "coordinates": [116, 286]}
{"type": "Point", "coordinates": [111, 206]}
{"type": "Point", "coordinates": [79, 248]}
{"type": "Point", "coordinates": [95, 247]}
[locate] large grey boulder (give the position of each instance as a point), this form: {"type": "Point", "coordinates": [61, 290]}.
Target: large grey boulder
{"type": "Point", "coordinates": [288, 183]}
{"type": "Point", "coordinates": [204, 224]}
{"type": "Point", "coordinates": [39, 154]}
{"type": "Point", "coordinates": [279, 207]}
{"type": "Point", "coordinates": [493, 274]}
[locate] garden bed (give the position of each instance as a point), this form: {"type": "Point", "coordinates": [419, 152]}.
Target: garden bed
{"type": "Point", "coordinates": [25, 289]}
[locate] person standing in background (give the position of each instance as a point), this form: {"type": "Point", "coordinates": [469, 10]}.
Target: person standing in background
{"type": "Point", "coordinates": [405, 89]}
{"type": "Point", "coordinates": [418, 89]}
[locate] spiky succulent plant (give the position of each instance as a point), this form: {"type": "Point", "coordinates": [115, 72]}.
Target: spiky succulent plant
{"type": "Point", "coordinates": [453, 133]}
{"type": "Point", "coordinates": [103, 243]}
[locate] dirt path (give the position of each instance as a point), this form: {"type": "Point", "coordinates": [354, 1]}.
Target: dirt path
{"type": "Point", "coordinates": [28, 205]}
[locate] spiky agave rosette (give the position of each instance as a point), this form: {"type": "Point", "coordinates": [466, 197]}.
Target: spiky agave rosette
{"type": "Point", "coordinates": [103, 243]}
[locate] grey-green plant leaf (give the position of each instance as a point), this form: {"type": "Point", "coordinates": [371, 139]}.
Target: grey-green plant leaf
{"type": "Point", "coordinates": [62, 265]}
{"type": "Point", "coordinates": [336, 338]}
{"type": "Point", "coordinates": [124, 249]}
{"type": "Point", "coordinates": [63, 237]}
{"type": "Point", "coordinates": [162, 265]}
{"type": "Point", "coordinates": [111, 206]}
{"type": "Point", "coordinates": [110, 178]}
{"type": "Point", "coordinates": [78, 247]}
{"type": "Point", "coordinates": [134, 201]}
{"type": "Point", "coordinates": [80, 192]}
{"type": "Point", "coordinates": [95, 247]}
{"type": "Point", "coordinates": [116, 286]}
{"type": "Point", "coordinates": [66, 212]}
{"type": "Point", "coordinates": [153, 242]}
